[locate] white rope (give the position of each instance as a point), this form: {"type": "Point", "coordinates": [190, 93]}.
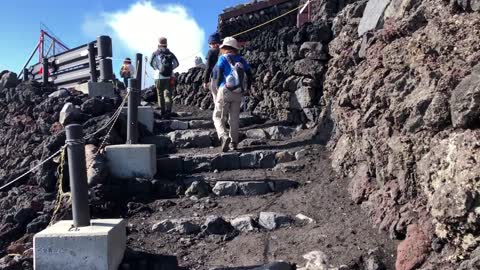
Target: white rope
{"type": "Point", "coordinates": [32, 169]}
{"type": "Point", "coordinates": [112, 121]}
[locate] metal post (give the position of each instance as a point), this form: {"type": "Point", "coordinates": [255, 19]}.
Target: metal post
{"type": "Point", "coordinates": [25, 74]}
{"type": "Point", "coordinates": [132, 115]}
{"type": "Point", "coordinates": [139, 67]}
{"type": "Point", "coordinates": [78, 175]}
{"type": "Point", "coordinates": [45, 71]}
{"type": "Point", "coordinates": [139, 61]}
{"type": "Point", "coordinates": [92, 62]}
{"type": "Point", "coordinates": [104, 51]}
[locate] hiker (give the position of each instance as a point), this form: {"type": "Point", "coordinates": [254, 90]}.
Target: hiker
{"type": "Point", "coordinates": [164, 62]}
{"type": "Point", "coordinates": [234, 79]}
{"type": "Point", "coordinates": [212, 58]}
{"type": "Point", "coordinates": [127, 71]}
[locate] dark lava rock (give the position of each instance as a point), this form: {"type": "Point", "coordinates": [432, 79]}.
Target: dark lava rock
{"type": "Point", "coordinates": [216, 225]}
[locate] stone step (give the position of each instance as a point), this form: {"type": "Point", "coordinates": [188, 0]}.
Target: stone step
{"type": "Point", "coordinates": [201, 186]}
{"type": "Point", "coordinates": [185, 164]}
{"type": "Point", "coordinates": [225, 225]}
{"type": "Point", "coordinates": [205, 138]}
{"type": "Point", "coordinates": [163, 126]}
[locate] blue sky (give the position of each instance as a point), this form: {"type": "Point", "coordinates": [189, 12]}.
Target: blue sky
{"type": "Point", "coordinates": [133, 25]}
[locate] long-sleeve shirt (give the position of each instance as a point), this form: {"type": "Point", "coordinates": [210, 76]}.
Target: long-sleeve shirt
{"type": "Point", "coordinates": [212, 58]}
{"type": "Point", "coordinates": [224, 69]}
{"type": "Point", "coordinates": [155, 62]}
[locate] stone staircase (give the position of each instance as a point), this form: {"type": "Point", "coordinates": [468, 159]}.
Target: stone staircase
{"type": "Point", "coordinates": [239, 197]}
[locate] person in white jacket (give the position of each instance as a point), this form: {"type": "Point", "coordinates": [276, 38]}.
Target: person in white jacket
{"type": "Point", "coordinates": [127, 71]}
{"type": "Point", "coordinates": [164, 62]}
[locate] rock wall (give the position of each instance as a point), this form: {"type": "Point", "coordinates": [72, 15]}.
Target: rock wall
{"type": "Point", "coordinates": [393, 87]}
{"type": "Point", "coordinates": [288, 67]}
{"type": "Point", "coordinates": [403, 100]}
{"type": "Point", "coordinates": [249, 16]}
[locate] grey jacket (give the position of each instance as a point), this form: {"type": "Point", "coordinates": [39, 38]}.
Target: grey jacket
{"type": "Point", "coordinates": [155, 62]}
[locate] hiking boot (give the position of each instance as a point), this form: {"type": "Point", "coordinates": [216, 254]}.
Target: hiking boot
{"type": "Point", "coordinates": [225, 143]}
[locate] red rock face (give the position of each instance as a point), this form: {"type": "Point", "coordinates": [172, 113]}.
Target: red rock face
{"type": "Point", "coordinates": [412, 252]}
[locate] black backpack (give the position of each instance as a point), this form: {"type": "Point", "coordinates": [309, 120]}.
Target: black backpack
{"type": "Point", "coordinates": [166, 64]}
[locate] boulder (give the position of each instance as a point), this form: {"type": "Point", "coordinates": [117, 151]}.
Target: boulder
{"type": "Point", "coordinates": [216, 225]}
{"type": "Point", "coordinates": [191, 138]}
{"type": "Point", "coordinates": [38, 224]}
{"type": "Point", "coordinates": [225, 188]}
{"type": "Point", "coordinates": [284, 156]}
{"type": "Point", "coordinates": [69, 114]}
{"type": "Point", "coordinates": [412, 251]}
{"type": "Point", "coordinates": [199, 189]}
{"type": "Point", "coordinates": [8, 80]}
{"type": "Point", "coordinates": [289, 167]}
{"type": "Point", "coordinates": [281, 132]}
{"type": "Point", "coordinates": [465, 101]}
{"type": "Point", "coordinates": [180, 226]}
{"type": "Point", "coordinates": [313, 50]}
{"type": "Point", "coordinates": [396, 9]}
{"type": "Point", "coordinates": [258, 133]}
{"type": "Point", "coordinates": [272, 220]}
{"type": "Point", "coordinates": [301, 154]}
{"type": "Point", "coordinates": [309, 67]}
{"type": "Point", "coordinates": [372, 16]}
{"type": "Point", "coordinates": [93, 106]}
{"type": "Point", "coordinates": [253, 188]}
{"type": "Point", "coordinates": [244, 223]}
{"type": "Point", "coordinates": [302, 98]}
{"type": "Point", "coordinates": [60, 93]}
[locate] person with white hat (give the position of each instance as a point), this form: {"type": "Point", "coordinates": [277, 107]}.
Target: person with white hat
{"type": "Point", "coordinates": [233, 78]}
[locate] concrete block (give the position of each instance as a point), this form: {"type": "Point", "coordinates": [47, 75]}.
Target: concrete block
{"type": "Point", "coordinates": [95, 89]}
{"type": "Point", "coordinates": [62, 247]}
{"type": "Point", "coordinates": [145, 116]}
{"type": "Point", "coordinates": [132, 160]}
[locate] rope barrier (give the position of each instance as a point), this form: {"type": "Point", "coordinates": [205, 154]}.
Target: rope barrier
{"type": "Point", "coordinates": [32, 169]}
{"type": "Point", "coordinates": [270, 21]}
{"type": "Point", "coordinates": [111, 122]}
{"type": "Point", "coordinates": [115, 118]}
{"type": "Point", "coordinates": [60, 193]}
{"type": "Point", "coordinates": [257, 26]}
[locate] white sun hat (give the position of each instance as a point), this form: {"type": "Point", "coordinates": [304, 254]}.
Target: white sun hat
{"type": "Point", "coordinates": [231, 42]}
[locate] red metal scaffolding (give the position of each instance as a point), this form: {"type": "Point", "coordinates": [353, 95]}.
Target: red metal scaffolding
{"type": "Point", "coordinates": [48, 45]}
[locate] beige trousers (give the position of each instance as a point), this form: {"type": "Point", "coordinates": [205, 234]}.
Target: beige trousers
{"type": "Point", "coordinates": [227, 106]}
{"type": "Point", "coordinates": [213, 90]}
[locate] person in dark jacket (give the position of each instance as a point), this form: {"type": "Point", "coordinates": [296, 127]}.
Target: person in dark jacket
{"type": "Point", "coordinates": [212, 58]}
{"type": "Point", "coordinates": [164, 62]}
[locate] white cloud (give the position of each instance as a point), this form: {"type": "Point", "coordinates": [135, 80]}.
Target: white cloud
{"type": "Point", "coordinates": [139, 27]}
